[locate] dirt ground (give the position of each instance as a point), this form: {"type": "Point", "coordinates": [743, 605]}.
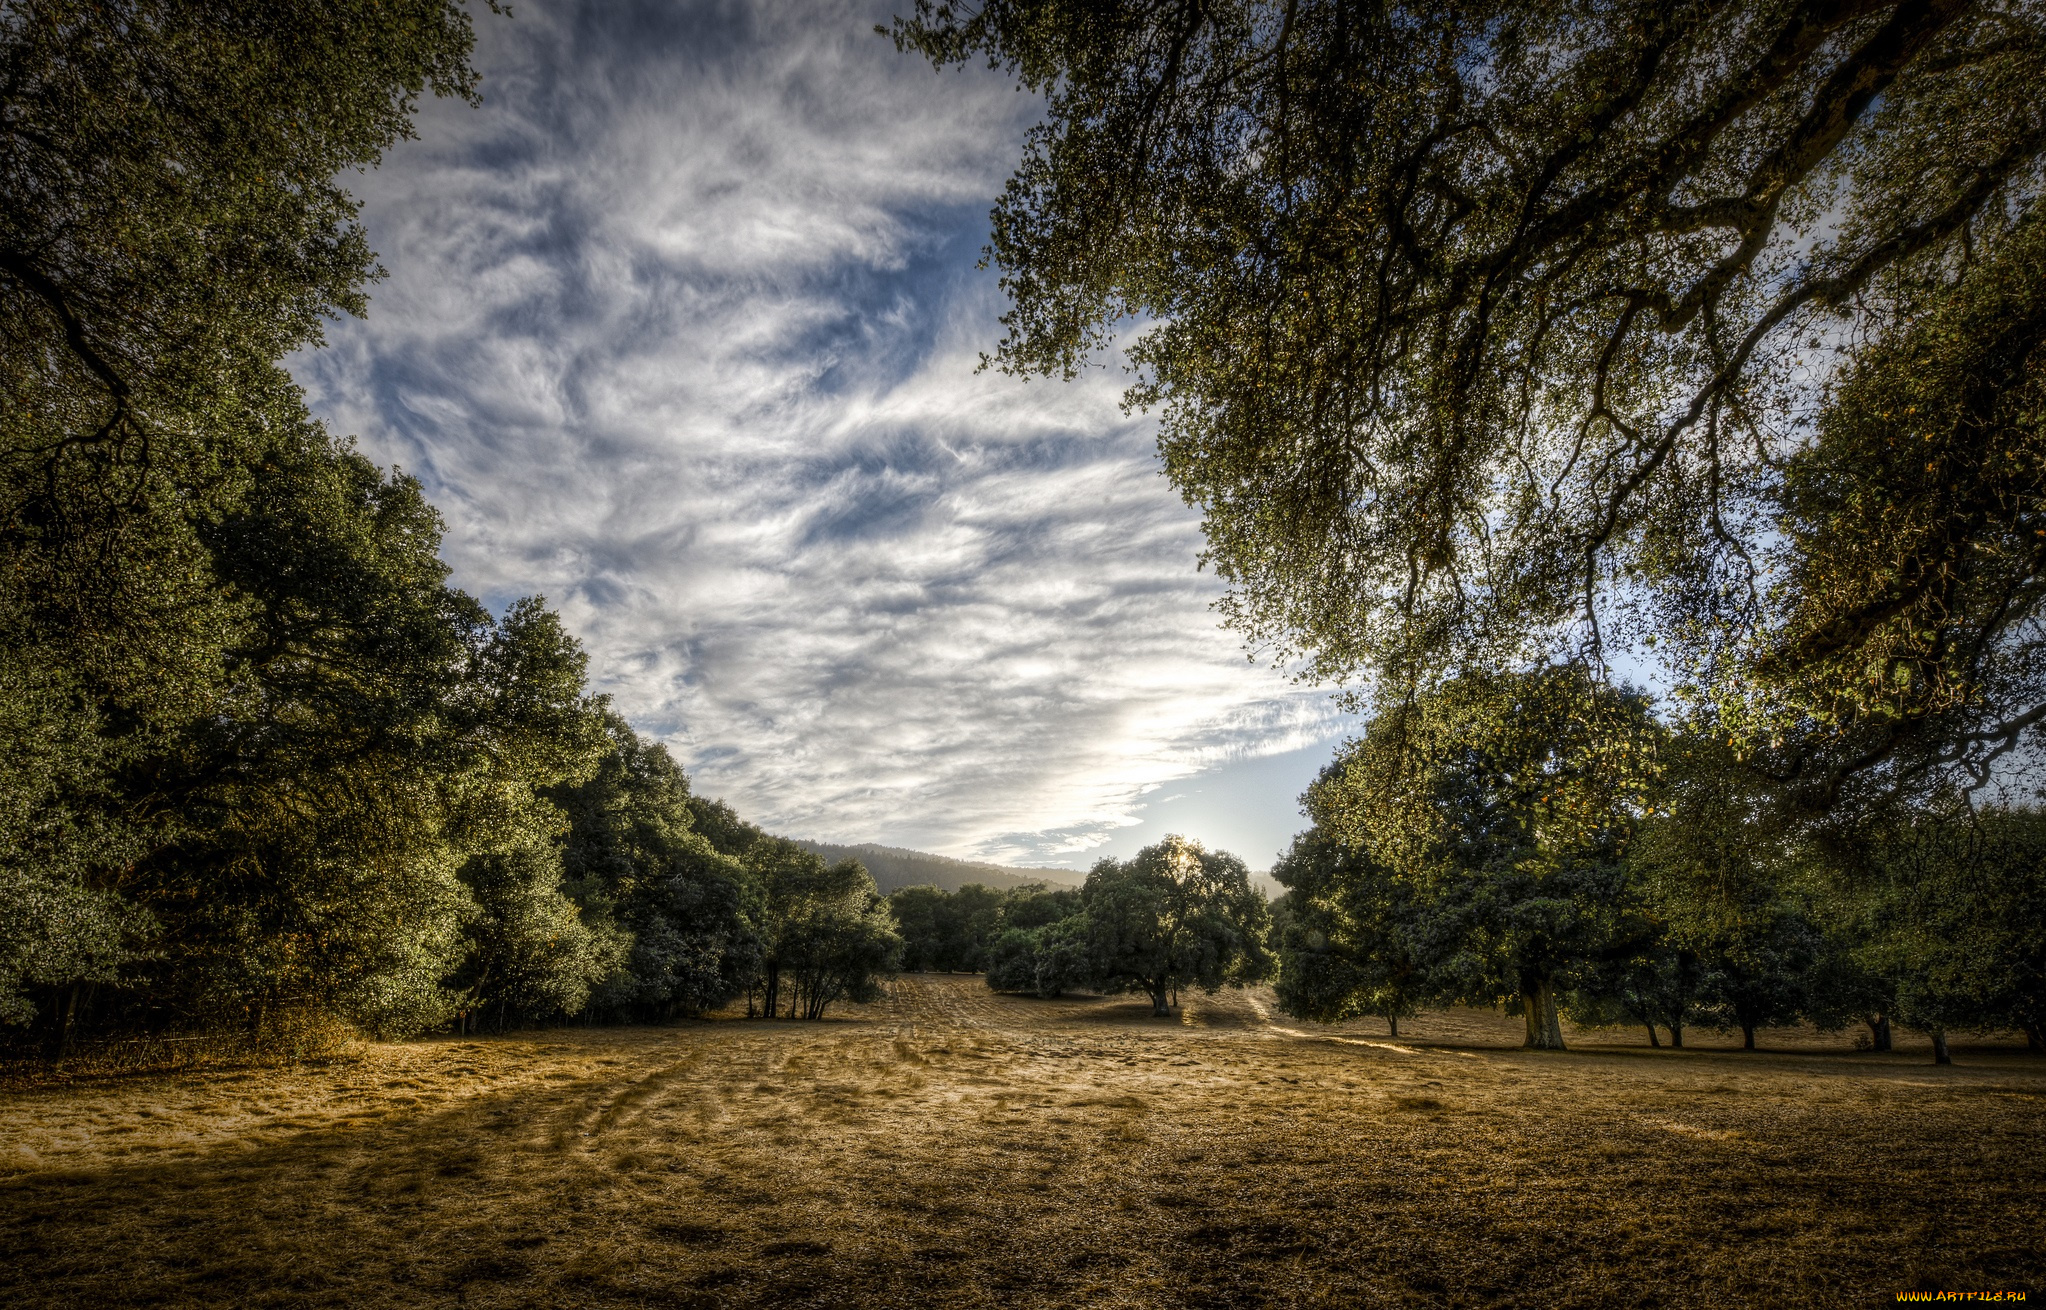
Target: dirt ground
{"type": "Point", "coordinates": [949, 1147]}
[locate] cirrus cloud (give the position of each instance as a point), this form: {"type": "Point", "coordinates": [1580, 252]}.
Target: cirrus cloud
{"type": "Point", "coordinates": [681, 332]}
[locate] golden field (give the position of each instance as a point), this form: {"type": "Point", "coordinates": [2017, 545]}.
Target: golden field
{"type": "Point", "coordinates": [949, 1147]}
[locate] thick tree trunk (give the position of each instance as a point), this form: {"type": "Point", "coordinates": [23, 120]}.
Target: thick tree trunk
{"type": "Point", "coordinates": [1747, 1037]}
{"type": "Point", "coordinates": [771, 994]}
{"type": "Point", "coordinates": [1940, 1054]}
{"type": "Point", "coordinates": [2035, 1037]}
{"type": "Point", "coordinates": [1160, 1007]}
{"type": "Point", "coordinates": [1676, 1036]}
{"type": "Point", "coordinates": [1653, 1040]}
{"type": "Point", "coordinates": [1393, 1021]}
{"type": "Point", "coordinates": [1879, 1032]}
{"type": "Point", "coordinates": [1538, 1005]}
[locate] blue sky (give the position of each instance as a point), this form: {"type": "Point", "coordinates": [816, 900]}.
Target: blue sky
{"type": "Point", "coordinates": [681, 332]}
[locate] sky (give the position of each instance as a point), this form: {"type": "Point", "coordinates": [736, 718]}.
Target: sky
{"type": "Point", "coordinates": [681, 331]}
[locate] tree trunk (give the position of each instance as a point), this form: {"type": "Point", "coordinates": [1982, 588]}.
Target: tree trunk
{"type": "Point", "coordinates": [2035, 1037]}
{"type": "Point", "coordinates": [1676, 1035]}
{"type": "Point", "coordinates": [771, 994]}
{"type": "Point", "coordinates": [1878, 1032]}
{"type": "Point", "coordinates": [1393, 1022]}
{"type": "Point", "coordinates": [68, 1032]}
{"type": "Point", "coordinates": [1940, 1054]}
{"type": "Point", "coordinates": [1747, 1037]}
{"type": "Point", "coordinates": [1538, 1005]}
{"type": "Point", "coordinates": [1160, 1008]}
{"type": "Point", "coordinates": [1653, 1040]}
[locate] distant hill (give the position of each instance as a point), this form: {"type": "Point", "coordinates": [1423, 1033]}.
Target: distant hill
{"type": "Point", "coordinates": [894, 868]}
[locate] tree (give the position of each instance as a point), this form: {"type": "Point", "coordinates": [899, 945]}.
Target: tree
{"type": "Point", "coordinates": [1344, 947]}
{"type": "Point", "coordinates": [1757, 975]}
{"type": "Point", "coordinates": [1045, 960]}
{"type": "Point", "coordinates": [839, 950]}
{"type": "Point", "coordinates": [530, 954]}
{"type": "Point", "coordinates": [375, 730]}
{"type": "Point", "coordinates": [1658, 982]}
{"type": "Point", "coordinates": [632, 857]}
{"type": "Point", "coordinates": [1488, 333]}
{"type": "Point", "coordinates": [825, 933]}
{"type": "Point", "coordinates": [1955, 921]}
{"type": "Point", "coordinates": [948, 931]}
{"type": "Point", "coordinates": [174, 226]}
{"type": "Point", "coordinates": [1040, 944]}
{"type": "Point", "coordinates": [1174, 915]}
{"type": "Point", "coordinates": [1494, 815]}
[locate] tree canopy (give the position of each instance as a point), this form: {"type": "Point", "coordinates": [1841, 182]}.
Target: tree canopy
{"type": "Point", "coordinates": [1486, 334]}
{"type": "Point", "coordinates": [1471, 846]}
{"type": "Point", "coordinates": [1174, 915]}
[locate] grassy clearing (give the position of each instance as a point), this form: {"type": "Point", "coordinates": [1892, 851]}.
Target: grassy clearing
{"type": "Point", "coordinates": [950, 1147]}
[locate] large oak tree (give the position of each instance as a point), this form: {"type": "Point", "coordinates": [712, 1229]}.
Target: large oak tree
{"type": "Point", "coordinates": [1488, 333]}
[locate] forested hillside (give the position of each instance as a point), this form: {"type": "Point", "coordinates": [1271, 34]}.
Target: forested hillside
{"type": "Point", "coordinates": [894, 868]}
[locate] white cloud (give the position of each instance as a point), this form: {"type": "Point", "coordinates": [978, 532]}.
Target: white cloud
{"type": "Point", "coordinates": [681, 332]}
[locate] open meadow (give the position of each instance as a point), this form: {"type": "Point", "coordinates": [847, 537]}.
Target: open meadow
{"type": "Point", "coordinates": [951, 1147]}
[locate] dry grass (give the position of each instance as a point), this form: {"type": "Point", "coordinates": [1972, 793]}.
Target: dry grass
{"type": "Point", "coordinates": [949, 1147]}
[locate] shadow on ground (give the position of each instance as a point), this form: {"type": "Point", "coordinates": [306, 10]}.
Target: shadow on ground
{"type": "Point", "coordinates": [950, 1147]}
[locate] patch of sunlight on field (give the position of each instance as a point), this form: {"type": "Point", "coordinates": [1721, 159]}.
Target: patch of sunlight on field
{"type": "Point", "coordinates": [949, 1147]}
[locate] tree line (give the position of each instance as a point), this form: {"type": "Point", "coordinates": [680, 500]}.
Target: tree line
{"type": "Point", "coordinates": [1489, 339]}
{"type": "Point", "coordinates": [1543, 843]}
{"type": "Point", "coordinates": [1172, 916]}
{"type": "Point", "coordinates": [257, 757]}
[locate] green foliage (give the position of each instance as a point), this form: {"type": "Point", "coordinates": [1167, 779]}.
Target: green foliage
{"type": "Point", "coordinates": [1471, 847]}
{"type": "Point", "coordinates": [958, 931]}
{"type": "Point", "coordinates": [1956, 921]}
{"type": "Point", "coordinates": [1346, 940]}
{"type": "Point", "coordinates": [1482, 333]}
{"type": "Point", "coordinates": [631, 858]}
{"type": "Point", "coordinates": [947, 932]}
{"type": "Point", "coordinates": [838, 951]}
{"type": "Point", "coordinates": [1173, 915]}
{"type": "Point", "coordinates": [1913, 561]}
{"type": "Point", "coordinates": [1040, 945]}
{"type": "Point", "coordinates": [201, 591]}
{"type": "Point", "coordinates": [1044, 961]}
{"type": "Point", "coordinates": [825, 932]}
{"type": "Point", "coordinates": [530, 955]}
